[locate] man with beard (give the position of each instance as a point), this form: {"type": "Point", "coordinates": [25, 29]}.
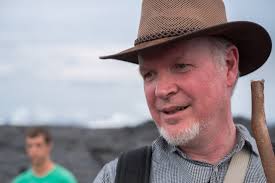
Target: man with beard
{"type": "Point", "coordinates": [44, 170]}
{"type": "Point", "coordinates": [190, 59]}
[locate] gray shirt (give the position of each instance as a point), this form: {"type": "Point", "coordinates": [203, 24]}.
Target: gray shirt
{"type": "Point", "coordinates": [171, 165]}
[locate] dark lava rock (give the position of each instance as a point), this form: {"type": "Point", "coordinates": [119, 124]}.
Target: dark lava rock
{"type": "Point", "coordinates": [81, 150]}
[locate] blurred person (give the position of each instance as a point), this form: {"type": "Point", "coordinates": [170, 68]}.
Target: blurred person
{"type": "Point", "coordinates": [190, 58]}
{"type": "Point", "coordinates": [43, 170]}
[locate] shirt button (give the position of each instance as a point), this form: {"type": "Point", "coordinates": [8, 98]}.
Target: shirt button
{"type": "Point", "coordinates": [216, 169]}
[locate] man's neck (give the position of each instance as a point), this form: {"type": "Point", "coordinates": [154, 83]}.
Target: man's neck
{"type": "Point", "coordinates": [43, 169]}
{"type": "Point", "coordinates": [211, 149]}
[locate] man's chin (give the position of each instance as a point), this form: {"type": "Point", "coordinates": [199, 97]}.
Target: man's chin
{"type": "Point", "coordinates": [182, 136]}
{"type": "Point", "coordinates": [36, 162]}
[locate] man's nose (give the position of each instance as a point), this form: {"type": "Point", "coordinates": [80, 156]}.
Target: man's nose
{"type": "Point", "coordinates": [165, 88]}
{"type": "Point", "coordinates": [32, 150]}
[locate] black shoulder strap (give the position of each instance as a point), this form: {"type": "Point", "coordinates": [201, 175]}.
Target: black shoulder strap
{"type": "Point", "coordinates": [134, 166]}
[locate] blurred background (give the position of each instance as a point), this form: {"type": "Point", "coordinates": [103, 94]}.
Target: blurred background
{"type": "Point", "coordinates": [50, 73]}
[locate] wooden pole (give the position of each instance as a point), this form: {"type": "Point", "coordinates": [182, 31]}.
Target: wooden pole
{"type": "Point", "coordinates": [260, 130]}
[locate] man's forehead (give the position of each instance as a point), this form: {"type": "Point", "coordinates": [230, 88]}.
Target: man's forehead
{"type": "Point", "coordinates": [175, 51]}
{"type": "Point", "coordinates": [38, 138]}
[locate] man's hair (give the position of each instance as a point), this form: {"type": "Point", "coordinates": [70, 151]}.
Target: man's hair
{"type": "Point", "coordinates": [219, 48]}
{"type": "Point", "coordinates": [37, 131]}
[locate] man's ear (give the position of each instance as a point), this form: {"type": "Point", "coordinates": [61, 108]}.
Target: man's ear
{"type": "Point", "coordinates": [232, 64]}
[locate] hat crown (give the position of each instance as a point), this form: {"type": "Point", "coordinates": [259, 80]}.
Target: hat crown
{"type": "Point", "coordinates": [168, 18]}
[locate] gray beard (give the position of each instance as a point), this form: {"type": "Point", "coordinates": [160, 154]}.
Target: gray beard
{"type": "Point", "coordinates": [183, 137]}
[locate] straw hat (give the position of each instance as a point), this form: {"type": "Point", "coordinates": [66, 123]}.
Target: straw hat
{"type": "Point", "coordinates": [164, 21]}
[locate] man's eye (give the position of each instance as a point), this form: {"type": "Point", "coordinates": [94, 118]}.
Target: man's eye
{"type": "Point", "coordinates": [181, 67]}
{"type": "Point", "coordinates": [148, 76]}
{"type": "Point", "coordinates": [28, 146]}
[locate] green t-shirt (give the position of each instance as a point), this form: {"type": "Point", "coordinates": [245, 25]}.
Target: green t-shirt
{"type": "Point", "coordinates": [57, 175]}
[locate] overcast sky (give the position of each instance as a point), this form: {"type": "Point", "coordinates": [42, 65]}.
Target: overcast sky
{"type": "Point", "coordinates": [50, 71]}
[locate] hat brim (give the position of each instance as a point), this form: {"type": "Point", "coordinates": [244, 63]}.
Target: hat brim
{"type": "Point", "coordinates": [252, 40]}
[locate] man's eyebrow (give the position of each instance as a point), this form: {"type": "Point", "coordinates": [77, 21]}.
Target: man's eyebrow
{"type": "Point", "coordinates": [178, 58]}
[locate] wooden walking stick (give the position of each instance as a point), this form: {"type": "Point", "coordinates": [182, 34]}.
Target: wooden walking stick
{"type": "Point", "coordinates": [260, 131]}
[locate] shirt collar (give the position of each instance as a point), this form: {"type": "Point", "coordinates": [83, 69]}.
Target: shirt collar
{"type": "Point", "coordinates": [244, 139]}
{"type": "Point", "coordinates": [244, 134]}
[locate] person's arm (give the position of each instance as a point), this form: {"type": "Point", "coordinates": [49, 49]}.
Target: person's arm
{"type": "Point", "coordinates": [107, 174]}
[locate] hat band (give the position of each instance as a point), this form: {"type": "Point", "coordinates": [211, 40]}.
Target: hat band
{"type": "Point", "coordinates": [165, 34]}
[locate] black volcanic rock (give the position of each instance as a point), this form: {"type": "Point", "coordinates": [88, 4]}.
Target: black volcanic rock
{"type": "Point", "coordinates": [83, 151]}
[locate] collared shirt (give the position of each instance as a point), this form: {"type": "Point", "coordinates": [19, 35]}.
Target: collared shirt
{"type": "Point", "coordinates": [170, 164]}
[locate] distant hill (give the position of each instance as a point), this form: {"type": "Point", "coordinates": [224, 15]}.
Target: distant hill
{"type": "Point", "coordinates": [83, 151]}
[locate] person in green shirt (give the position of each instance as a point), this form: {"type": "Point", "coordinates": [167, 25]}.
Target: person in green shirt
{"type": "Point", "coordinates": [43, 169]}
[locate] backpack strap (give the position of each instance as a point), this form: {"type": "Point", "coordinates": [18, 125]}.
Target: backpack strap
{"type": "Point", "coordinates": [238, 166]}
{"type": "Point", "coordinates": [134, 166]}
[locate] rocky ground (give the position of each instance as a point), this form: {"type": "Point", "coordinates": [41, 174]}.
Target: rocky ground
{"type": "Point", "coordinates": [83, 151]}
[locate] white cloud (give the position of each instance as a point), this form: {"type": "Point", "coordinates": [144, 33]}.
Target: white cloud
{"type": "Point", "coordinates": [117, 120]}
{"type": "Point", "coordinates": [28, 116]}
{"type": "Point", "coordinates": [241, 100]}
{"type": "Point", "coordinates": [74, 63]}
{"type": "Point", "coordinates": [58, 41]}
{"type": "Point", "coordinates": [2, 120]}
{"type": "Point", "coordinates": [41, 116]}
{"type": "Point", "coordinates": [6, 69]}
{"type": "Point", "coordinates": [21, 116]}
